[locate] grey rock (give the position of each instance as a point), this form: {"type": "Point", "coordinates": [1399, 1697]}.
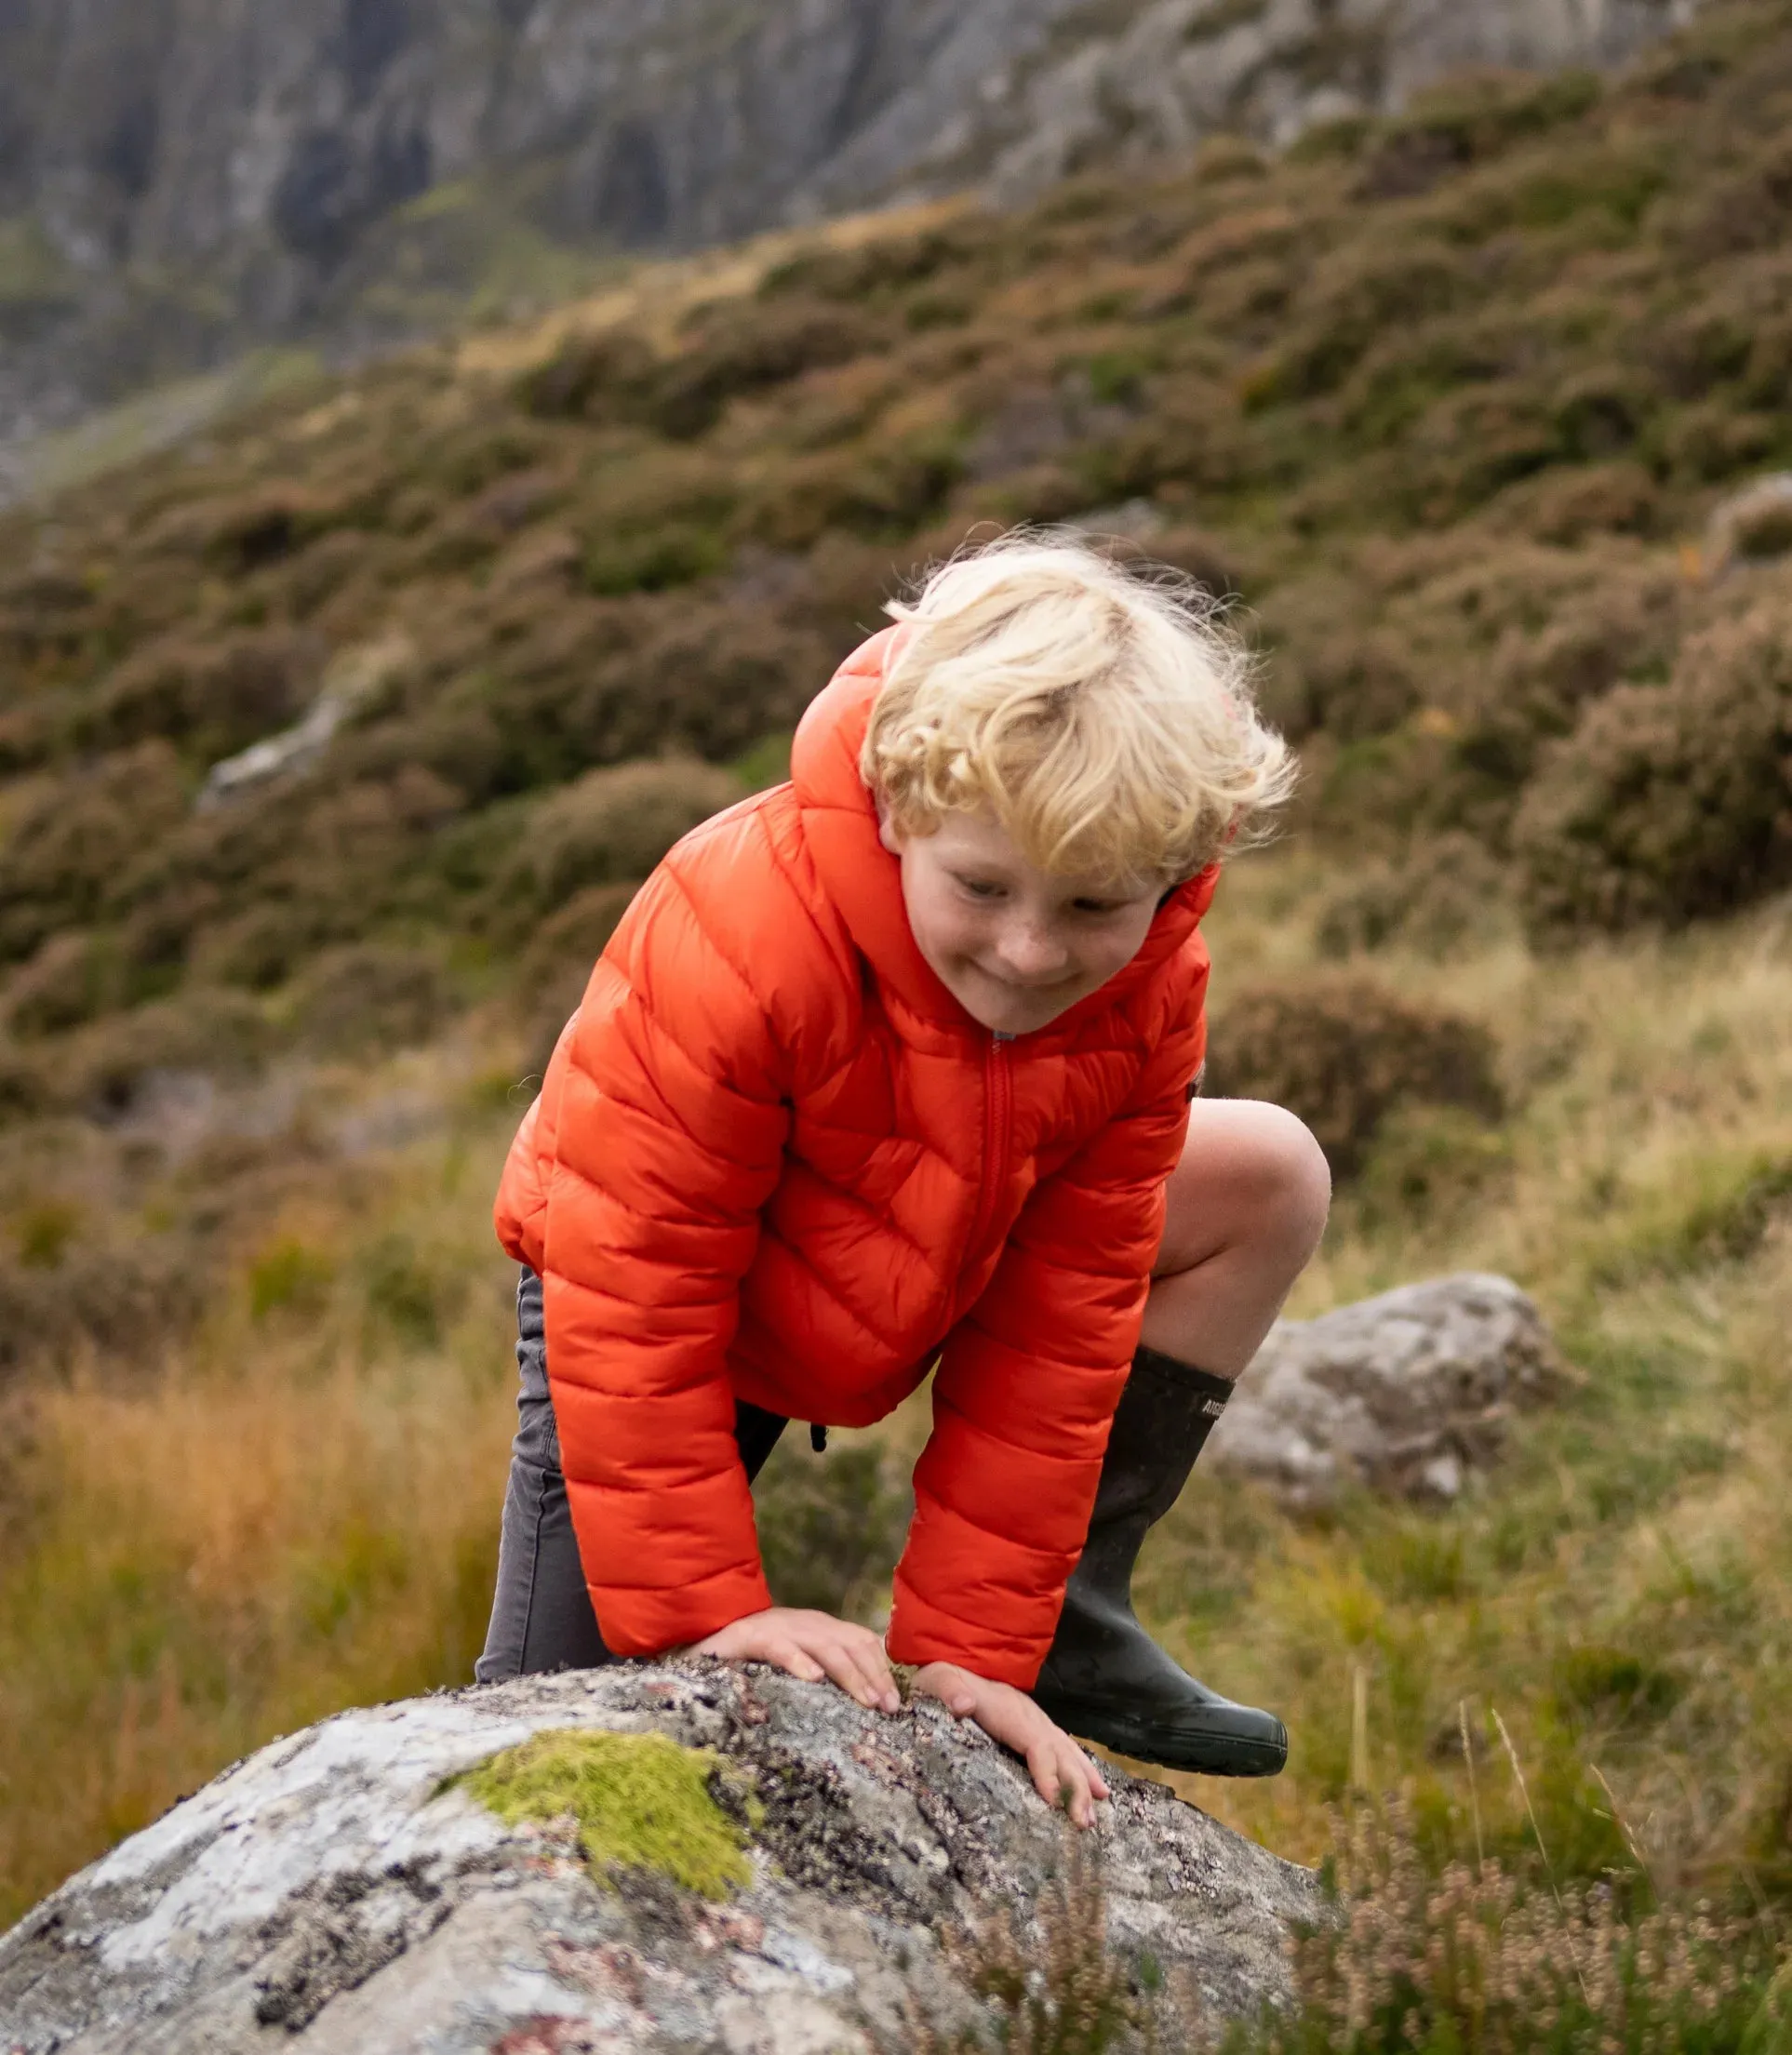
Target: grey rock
{"type": "Point", "coordinates": [1750, 526]}
{"type": "Point", "coordinates": [1407, 1394]}
{"type": "Point", "coordinates": [352, 679]}
{"type": "Point", "coordinates": [331, 1887]}
{"type": "Point", "coordinates": [181, 180]}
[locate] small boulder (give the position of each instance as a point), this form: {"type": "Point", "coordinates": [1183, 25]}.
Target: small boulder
{"type": "Point", "coordinates": [656, 1856]}
{"type": "Point", "coordinates": [1406, 1393]}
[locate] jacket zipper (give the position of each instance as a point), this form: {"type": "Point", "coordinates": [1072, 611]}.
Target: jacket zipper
{"type": "Point", "coordinates": [999, 1115]}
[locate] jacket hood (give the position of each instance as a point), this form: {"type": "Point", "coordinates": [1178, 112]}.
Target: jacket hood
{"type": "Point", "coordinates": [864, 880]}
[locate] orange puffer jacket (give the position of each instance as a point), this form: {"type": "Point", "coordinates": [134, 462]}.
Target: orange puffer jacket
{"type": "Point", "coordinates": [774, 1157]}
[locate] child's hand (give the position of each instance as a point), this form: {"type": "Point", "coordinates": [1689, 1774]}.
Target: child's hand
{"type": "Point", "coordinates": [811, 1646]}
{"type": "Point", "coordinates": [1062, 1773]}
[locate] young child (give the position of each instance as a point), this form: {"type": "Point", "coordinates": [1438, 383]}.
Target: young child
{"type": "Point", "coordinates": [892, 1066]}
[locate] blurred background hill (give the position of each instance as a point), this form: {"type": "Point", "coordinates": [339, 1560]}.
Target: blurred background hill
{"type": "Point", "coordinates": [334, 738]}
{"type": "Point", "coordinates": [183, 186]}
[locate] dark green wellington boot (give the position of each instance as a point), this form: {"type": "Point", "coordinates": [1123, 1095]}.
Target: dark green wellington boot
{"type": "Point", "coordinates": [1106, 1680]}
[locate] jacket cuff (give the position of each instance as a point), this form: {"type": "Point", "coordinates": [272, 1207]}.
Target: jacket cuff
{"type": "Point", "coordinates": [635, 1621]}
{"type": "Point", "coordinates": [919, 1634]}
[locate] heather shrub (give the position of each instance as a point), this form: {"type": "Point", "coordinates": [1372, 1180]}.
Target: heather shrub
{"type": "Point", "coordinates": [1540, 676]}
{"type": "Point", "coordinates": [1573, 503]}
{"type": "Point", "coordinates": [210, 698]}
{"type": "Point", "coordinates": [1467, 120]}
{"type": "Point", "coordinates": [106, 1069]}
{"type": "Point", "coordinates": [680, 552]}
{"type": "Point", "coordinates": [367, 996]}
{"type": "Point", "coordinates": [596, 378]}
{"type": "Point", "coordinates": [1472, 1959]}
{"type": "Point", "coordinates": [885, 487]}
{"type": "Point", "coordinates": [571, 938]}
{"type": "Point", "coordinates": [1357, 294]}
{"type": "Point", "coordinates": [66, 1286]}
{"type": "Point", "coordinates": [240, 532]}
{"type": "Point", "coordinates": [735, 347]}
{"type": "Point", "coordinates": [24, 1089]}
{"type": "Point", "coordinates": [1673, 802]}
{"type": "Point", "coordinates": [72, 977]}
{"type": "Point", "coordinates": [1447, 893]}
{"type": "Point", "coordinates": [553, 971]}
{"type": "Point", "coordinates": [68, 848]}
{"type": "Point", "coordinates": [1341, 1053]}
{"type": "Point", "coordinates": [609, 826]}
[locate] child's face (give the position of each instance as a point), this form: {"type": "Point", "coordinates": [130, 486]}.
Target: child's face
{"type": "Point", "coordinates": [1015, 946]}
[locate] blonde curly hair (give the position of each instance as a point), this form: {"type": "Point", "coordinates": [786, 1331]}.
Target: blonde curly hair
{"type": "Point", "coordinates": [1104, 716]}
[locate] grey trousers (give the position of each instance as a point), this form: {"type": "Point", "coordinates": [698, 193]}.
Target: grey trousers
{"type": "Point", "coordinates": [541, 1616]}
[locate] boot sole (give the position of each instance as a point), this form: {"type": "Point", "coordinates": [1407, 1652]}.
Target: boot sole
{"type": "Point", "coordinates": [1167, 1745]}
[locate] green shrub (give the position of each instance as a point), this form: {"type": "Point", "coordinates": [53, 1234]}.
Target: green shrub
{"type": "Point", "coordinates": [610, 826]}
{"type": "Point", "coordinates": [1673, 802]}
{"type": "Point", "coordinates": [831, 1525]}
{"type": "Point", "coordinates": [679, 554]}
{"type": "Point", "coordinates": [288, 1276]}
{"type": "Point", "coordinates": [1341, 1053]}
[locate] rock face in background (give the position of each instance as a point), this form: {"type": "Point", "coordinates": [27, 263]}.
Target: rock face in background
{"type": "Point", "coordinates": [1406, 1393]}
{"type": "Point", "coordinates": [331, 1886]}
{"type": "Point", "coordinates": [182, 179]}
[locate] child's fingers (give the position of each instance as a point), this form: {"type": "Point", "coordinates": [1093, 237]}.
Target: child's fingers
{"type": "Point", "coordinates": [797, 1660]}
{"type": "Point", "coordinates": [1064, 1775]}
{"type": "Point", "coordinates": [876, 1662]}
{"type": "Point", "coordinates": [845, 1671]}
{"type": "Point", "coordinates": [859, 1654]}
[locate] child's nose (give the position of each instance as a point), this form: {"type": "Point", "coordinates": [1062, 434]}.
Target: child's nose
{"type": "Point", "coordinates": [1030, 953]}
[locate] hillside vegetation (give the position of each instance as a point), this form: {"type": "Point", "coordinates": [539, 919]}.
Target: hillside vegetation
{"type": "Point", "coordinates": [1448, 403]}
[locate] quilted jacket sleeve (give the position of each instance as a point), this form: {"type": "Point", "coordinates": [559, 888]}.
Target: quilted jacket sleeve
{"type": "Point", "coordinates": [1027, 1385]}
{"type": "Point", "coordinates": [669, 1129]}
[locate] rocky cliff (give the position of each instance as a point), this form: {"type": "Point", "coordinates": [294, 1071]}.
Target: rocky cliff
{"type": "Point", "coordinates": [652, 1857]}
{"type": "Point", "coordinates": [182, 179]}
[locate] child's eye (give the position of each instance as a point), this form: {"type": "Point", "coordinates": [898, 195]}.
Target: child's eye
{"type": "Point", "coordinates": [1096, 906]}
{"type": "Point", "coordinates": [980, 887]}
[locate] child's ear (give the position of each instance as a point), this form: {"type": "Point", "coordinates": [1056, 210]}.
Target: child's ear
{"type": "Point", "coordinates": [888, 833]}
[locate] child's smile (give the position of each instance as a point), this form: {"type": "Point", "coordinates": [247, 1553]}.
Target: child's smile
{"type": "Point", "coordinates": [1016, 946]}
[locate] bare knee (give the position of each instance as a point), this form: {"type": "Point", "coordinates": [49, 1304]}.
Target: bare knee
{"type": "Point", "coordinates": [1250, 1173]}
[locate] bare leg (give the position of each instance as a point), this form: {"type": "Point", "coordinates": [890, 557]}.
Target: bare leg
{"type": "Point", "coordinates": [1247, 1207]}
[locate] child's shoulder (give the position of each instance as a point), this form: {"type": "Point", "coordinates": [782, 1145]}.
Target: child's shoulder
{"type": "Point", "coordinates": [737, 898]}
{"type": "Point", "coordinates": [752, 861]}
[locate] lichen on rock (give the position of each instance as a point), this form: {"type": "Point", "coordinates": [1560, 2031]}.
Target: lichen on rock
{"type": "Point", "coordinates": [638, 1801]}
{"type": "Point", "coordinates": [355, 1886]}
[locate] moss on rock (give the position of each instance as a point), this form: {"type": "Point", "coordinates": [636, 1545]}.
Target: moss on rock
{"type": "Point", "coordinates": [640, 1801]}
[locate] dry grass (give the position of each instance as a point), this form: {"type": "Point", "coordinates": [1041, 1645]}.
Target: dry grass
{"type": "Point", "coordinates": [298, 1514]}
{"type": "Point", "coordinates": [1619, 1591]}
